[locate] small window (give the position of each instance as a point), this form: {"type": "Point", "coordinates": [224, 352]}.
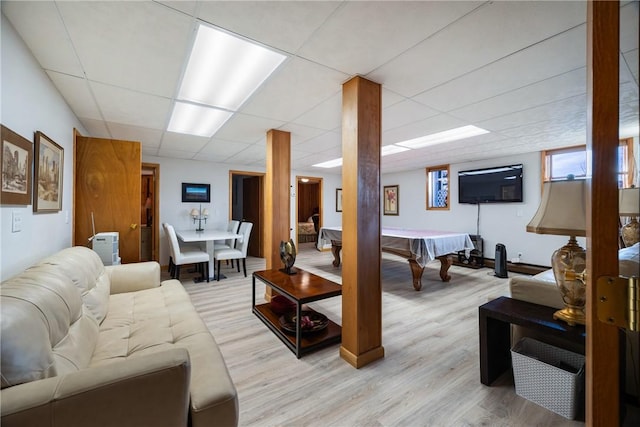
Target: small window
{"type": "Point", "coordinates": [438, 187]}
{"type": "Point", "coordinates": [557, 164]}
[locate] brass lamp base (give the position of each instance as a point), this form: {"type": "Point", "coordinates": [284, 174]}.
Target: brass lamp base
{"type": "Point", "coordinates": [571, 315]}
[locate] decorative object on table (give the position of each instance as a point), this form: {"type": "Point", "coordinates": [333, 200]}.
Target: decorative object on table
{"type": "Point", "coordinates": [199, 215]}
{"type": "Point", "coordinates": [338, 199]}
{"type": "Point", "coordinates": [390, 197]}
{"type": "Point", "coordinates": [562, 211]}
{"type": "Point", "coordinates": [49, 158]}
{"type": "Point", "coordinates": [16, 158]}
{"type": "Point", "coordinates": [629, 205]}
{"type": "Point", "coordinates": [281, 305]}
{"type": "Point", "coordinates": [310, 322]}
{"type": "Point", "coordinates": [288, 255]}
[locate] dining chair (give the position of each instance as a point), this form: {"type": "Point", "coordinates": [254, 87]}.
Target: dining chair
{"type": "Point", "coordinates": [238, 253]}
{"type": "Point", "coordinates": [232, 227]}
{"type": "Point", "coordinates": [180, 256]}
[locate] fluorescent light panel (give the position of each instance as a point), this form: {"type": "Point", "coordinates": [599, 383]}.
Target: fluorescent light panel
{"type": "Point", "coordinates": [384, 151]}
{"type": "Point", "coordinates": [446, 136]}
{"type": "Point", "coordinates": [392, 149]}
{"type": "Point", "coordinates": [197, 119]}
{"type": "Point", "coordinates": [224, 70]}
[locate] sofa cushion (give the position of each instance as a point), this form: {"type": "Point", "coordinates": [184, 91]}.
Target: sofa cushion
{"type": "Point", "coordinates": [85, 269]}
{"type": "Point", "coordinates": [45, 329]}
{"type": "Point", "coordinates": [148, 321]}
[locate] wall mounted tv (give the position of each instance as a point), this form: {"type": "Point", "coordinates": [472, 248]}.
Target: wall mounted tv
{"type": "Point", "coordinates": [502, 184]}
{"type": "Point", "coordinates": [198, 193]}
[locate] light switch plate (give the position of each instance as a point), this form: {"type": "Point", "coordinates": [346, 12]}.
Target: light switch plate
{"type": "Point", "coordinates": [16, 221]}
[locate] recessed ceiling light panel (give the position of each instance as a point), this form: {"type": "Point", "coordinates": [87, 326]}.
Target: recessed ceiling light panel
{"type": "Point", "coordinates": [224, 70]}
{"type": "Point", "coordinates": [330, 163]}
{"type": "Point", "coordinates": [197, 119]}
{"type": "Point", "coordinates": [442, 137]}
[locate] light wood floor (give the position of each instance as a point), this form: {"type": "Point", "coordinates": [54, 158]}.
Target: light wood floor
{"type": "Point", "coordinates": [428, 377]}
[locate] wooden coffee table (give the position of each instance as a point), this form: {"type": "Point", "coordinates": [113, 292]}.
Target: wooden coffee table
{"type": "Point", "coordinates": [300, 288]}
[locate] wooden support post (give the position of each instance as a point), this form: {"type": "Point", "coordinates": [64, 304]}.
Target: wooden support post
{"type": "Point", "coordinates": [278, 197]}
{"type": "Point", "coordinates": [602, 349]}
{"type": "Point", "coordinates": [361, 287]}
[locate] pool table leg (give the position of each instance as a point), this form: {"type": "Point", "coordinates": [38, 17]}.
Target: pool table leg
{"type": "Point", "coordinates": [445, 263]}
{"type": "Point", "coordinates": [416, 272]}
{"type": "Point", "coordinates": [335, 250]}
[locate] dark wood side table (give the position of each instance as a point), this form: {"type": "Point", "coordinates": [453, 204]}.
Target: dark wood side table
{"type": "Point", "coordinates": [301, 288]}
{"type": "Point", "coordinates": [496, 318]}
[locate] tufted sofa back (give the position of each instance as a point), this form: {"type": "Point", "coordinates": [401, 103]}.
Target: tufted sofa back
{"type": "Point", "coordinates": [50, 316]}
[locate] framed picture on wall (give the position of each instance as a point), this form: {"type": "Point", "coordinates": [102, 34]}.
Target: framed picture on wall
{"type": "Point", "coordinates": [16, 158]}
{"type": "Point", "coordinates": [390, 196]}
{"type": "Point", "coordinates": [49, 166]}
{"type": "Point", "coordinates": [338, 199]}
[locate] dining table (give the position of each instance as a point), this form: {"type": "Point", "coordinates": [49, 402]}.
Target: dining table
{"type": "Point", "coordinates": [209, 237]}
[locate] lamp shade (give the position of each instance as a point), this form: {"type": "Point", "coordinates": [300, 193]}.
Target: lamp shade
{"type": "Point", "coordinates": [205, 212]}
{"type": "Point", "coordinates": [194, 212]}
{"type": "Point", "coordinates": [629, 201]}
{"type": "Point", "coordinates": [562, 210]}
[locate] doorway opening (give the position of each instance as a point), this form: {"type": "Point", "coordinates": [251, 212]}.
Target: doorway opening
{"type": "Point", "coordinates": [149, 202]}
{"type": "Point", "coordinates": [309, 212]}
{"type": "Point", "coordinates": [246, 203]}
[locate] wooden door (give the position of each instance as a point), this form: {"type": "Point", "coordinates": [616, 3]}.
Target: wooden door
{"type": "Point", "coordinates": [251, 200]}
{"type": "Point", "coordinates": [107, 184]}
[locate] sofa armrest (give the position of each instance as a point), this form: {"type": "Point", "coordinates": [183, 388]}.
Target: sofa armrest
{"type": "Point", "coordinates": [539, 289]}
{"type": "Point", "coordinates": [152, 390]}
{"type": "Point", "coordinates": [133, 277]}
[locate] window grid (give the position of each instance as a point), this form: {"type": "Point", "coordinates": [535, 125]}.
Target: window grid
{"type": "Point", "coordinates": [438, 187]}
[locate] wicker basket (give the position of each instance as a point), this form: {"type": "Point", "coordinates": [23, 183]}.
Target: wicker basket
{"type": "Point", "coordinates": [549, 376]}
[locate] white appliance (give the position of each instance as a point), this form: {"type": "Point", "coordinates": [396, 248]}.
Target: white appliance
{"type": "Point", "coordinates": [107, 246]}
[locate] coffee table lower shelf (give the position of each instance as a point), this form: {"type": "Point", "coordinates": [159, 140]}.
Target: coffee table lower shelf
{"type": "Point", "coordinates": [310, 341]}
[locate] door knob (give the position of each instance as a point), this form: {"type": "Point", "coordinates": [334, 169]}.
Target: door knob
{"type": "Point", "coordinates": [133, 226]}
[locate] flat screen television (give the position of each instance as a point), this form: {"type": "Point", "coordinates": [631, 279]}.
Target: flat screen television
{"type": "Point", "coordinates": [502, 184]}
{"type": "Point", "coordinates": [199, 193]}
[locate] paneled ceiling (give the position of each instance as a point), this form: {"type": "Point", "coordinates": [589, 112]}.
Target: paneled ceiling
{"type": "Point", "coordinates": [515, 68]}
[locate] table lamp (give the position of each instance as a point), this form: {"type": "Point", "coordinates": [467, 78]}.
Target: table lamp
{"type": "Point", "coordinates": [629, 205]}
{"type": "Point", "coordinates": [199, 215]}
{"type": "Point", "coordinates": [563, 212]}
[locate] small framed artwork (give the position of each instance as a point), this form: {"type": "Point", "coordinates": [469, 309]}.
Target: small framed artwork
{"type": "Point", "coordinates": [49, 165]}
{"type": "Point", "coordinates": [16, 156]}
{"type": "Point", "coordinates": [197, 193]}
{"type": "Point", "coordinates": [391, 199]}
{"type": "Point", "coordinates": [338, 199]}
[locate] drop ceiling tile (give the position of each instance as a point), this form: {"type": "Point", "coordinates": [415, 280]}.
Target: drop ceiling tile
{"type": "Point", "coordinates": [301, 133]}
{"type": "Point", "coordinates": [222, 150]}
{"type": "Point", "coordinates": [147, 137]}
{"type": "Point", "coordinates": [297, 86]}
{"type": "Point", "coordinates": [546, 112]}
{"type": "Point", "coordinates": [95, 128]}
{"type": "Point", "coordinates": [328, 140]}
{"type": "Point", "coordinates": [41, 28]}
{"type": "Point", "coordinates": [176, 154]}
{"type": "Point", "coordinates": [363, 32]}
{"type": "Point", "coordinates": [284, 25]}
{"type": "Point", "coordinates": [183, 142]}
{"type": "Point", "coordinates": [551, 90]}
{"type": "Point", "coordinates": [491, 32]}
{"type": "Point", "coordinates": [405, 112]}
{"type": "Point", "coordinates": [554, 56]}
{"type": "Point", "coordinates": [327, 115]}
{"type": "Point", "coordinates": [246, 128]}
{"type": "Point", "coordinates": [188, 7]}
{"type": "Point", "coordinates": [251, 154]}
{"type": "Point", "coordinates": [134, 44]}
{"type": "Point", "coordinates": [131, 108]}
{"type": "Point", "coordinates": [631, 63]}
{"type": "Point", "coordinates": [75, 91]}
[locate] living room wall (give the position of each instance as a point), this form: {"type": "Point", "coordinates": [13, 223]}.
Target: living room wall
{"type": "Point", "coordinates": [31, 103]}
{"type": "Point", "coordinates": [499, 222]}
